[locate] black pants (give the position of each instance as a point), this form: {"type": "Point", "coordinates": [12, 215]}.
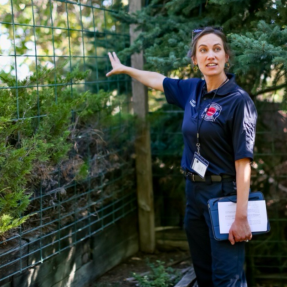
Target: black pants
{"type": "Point", "coordinates": [216, 263]}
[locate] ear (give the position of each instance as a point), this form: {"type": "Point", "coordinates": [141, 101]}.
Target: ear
{"type": "Point", "coordinates": [226, 58]}
{"type": "Point", "coordinates": [194, 60]}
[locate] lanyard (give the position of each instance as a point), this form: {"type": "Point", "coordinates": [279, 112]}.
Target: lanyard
{"type": "Point", "coordinates": [199, 123]}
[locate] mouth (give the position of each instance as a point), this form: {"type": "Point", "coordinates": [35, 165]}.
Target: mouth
{"type": "Point", "coordinates": [211, 65]}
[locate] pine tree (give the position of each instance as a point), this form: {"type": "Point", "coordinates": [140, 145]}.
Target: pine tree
{"type": "Point", "coordinates": [255, 29]}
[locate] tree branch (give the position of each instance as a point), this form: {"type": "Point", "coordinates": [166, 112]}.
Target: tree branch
{"type": "Point", "coordinates": [270, 89]}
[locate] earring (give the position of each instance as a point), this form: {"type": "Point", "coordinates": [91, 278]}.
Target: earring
{"type": "Point", "coordinates": [227, 65]}
{"type": "Point", "coordinates": [195, 68]}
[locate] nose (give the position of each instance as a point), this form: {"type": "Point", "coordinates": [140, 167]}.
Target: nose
{"type": "Point", "coordinates": [210, 55]}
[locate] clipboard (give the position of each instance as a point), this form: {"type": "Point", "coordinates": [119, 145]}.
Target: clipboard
{"type": "Point", "coordinates": [213, 211]}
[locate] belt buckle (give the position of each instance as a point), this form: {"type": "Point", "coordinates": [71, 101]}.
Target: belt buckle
{"type": "Point", "coordinates": [193, 177]}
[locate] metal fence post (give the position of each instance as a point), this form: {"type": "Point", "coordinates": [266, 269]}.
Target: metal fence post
{"type": "Point", "coordinates": [143, 149]}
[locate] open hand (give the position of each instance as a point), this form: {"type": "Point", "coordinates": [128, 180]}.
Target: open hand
{"type": "Point", "coordinates": [118, 67]}
{"type": "Point", "coordinates": [239, 231]}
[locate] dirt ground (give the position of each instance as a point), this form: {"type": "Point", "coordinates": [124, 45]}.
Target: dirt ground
{"type": "Point", "coordinates": [118, 276]}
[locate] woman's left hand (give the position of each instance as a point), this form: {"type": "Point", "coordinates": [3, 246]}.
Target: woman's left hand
{"type": "Point", "coordinates": [239, 231]}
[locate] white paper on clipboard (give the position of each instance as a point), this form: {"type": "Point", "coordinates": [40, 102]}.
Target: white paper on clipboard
{"type": "Point", "coordinates": [256, 215]}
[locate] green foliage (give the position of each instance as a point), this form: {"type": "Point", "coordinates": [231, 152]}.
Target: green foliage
{"type": "Point", "coordinates": [34, 130]}
{"type": "Point", "coordinates": [39, 129]}
{"type": "Point", "coordinates": [256, 31]}
{"type": "Point", "coordinates": [7, 222]}
{"type": "Point", "coordinates": [101, 33]}
{"type": "Point", "coordinates": [159, 276]}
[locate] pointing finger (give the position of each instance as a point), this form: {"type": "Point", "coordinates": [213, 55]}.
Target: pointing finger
{"type": "Point", "coordinates": [111, 57]}
{"type": "Point", "coordinates": [116, 57]}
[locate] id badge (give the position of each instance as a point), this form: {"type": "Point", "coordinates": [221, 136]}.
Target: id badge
{"type": "Point", "coordinates": [199, 164]}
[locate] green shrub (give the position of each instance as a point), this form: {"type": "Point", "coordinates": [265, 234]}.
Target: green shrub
{"type": "Point", "coordinates": [159, 276]}
{"type": "Point", "coordinates": [40, 130]}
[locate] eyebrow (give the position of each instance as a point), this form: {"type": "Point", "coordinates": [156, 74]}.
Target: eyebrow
{"type": "Point", "coordinates": [213, 45]}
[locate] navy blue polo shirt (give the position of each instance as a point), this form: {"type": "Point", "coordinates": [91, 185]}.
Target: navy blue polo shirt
{"type": "Point", "coordinates": [227, 132]}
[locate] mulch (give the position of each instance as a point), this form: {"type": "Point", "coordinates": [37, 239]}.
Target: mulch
{"type": "Point", "coordinates": [121, 275]}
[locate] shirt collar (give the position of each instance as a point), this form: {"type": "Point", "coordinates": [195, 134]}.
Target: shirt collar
{"type": "Point", "coordinates": [227, 88]}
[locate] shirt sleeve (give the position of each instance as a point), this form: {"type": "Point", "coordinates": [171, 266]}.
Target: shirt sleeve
{"type": "Point", "coordinates": [177, 91]}
{"type": "Point", "coordinates": [244, 128]}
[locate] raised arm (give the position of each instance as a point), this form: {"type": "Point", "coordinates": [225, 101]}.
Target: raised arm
{"type": "Point", "coordinates": [151, 79]}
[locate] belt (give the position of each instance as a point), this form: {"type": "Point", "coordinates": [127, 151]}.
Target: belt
{"type": "Point", "coordinates": [213, 178]}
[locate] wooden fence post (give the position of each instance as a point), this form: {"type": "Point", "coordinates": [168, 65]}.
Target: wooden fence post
{"type": "Point", "coordinates": [142, 149]}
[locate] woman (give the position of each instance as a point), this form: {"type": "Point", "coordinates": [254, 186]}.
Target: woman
{"type": "Point", "coordinates": [219, 134]}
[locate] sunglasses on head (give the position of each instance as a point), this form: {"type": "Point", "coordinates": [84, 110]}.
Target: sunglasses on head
{"type": "Point", "coordinates": [199, 30]}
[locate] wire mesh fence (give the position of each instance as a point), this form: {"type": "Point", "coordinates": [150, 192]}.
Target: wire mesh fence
{"type": "Point", "coordinates": [37, 36]}
{"type": "Point", "coordinates": [45, 48]}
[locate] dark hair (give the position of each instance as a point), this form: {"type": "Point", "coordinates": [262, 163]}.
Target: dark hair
{"type": "Point", "coordinates": [206, 31]}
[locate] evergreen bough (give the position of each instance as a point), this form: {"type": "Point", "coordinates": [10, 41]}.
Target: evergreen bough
{"type": "Point", "coordinates": [38, 133]}
{"type": "Point", "coordinates": [256, 31]}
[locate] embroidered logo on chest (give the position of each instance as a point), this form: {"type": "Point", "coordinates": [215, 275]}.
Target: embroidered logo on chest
{"type": "Point", "coordinates": [212, 113]}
